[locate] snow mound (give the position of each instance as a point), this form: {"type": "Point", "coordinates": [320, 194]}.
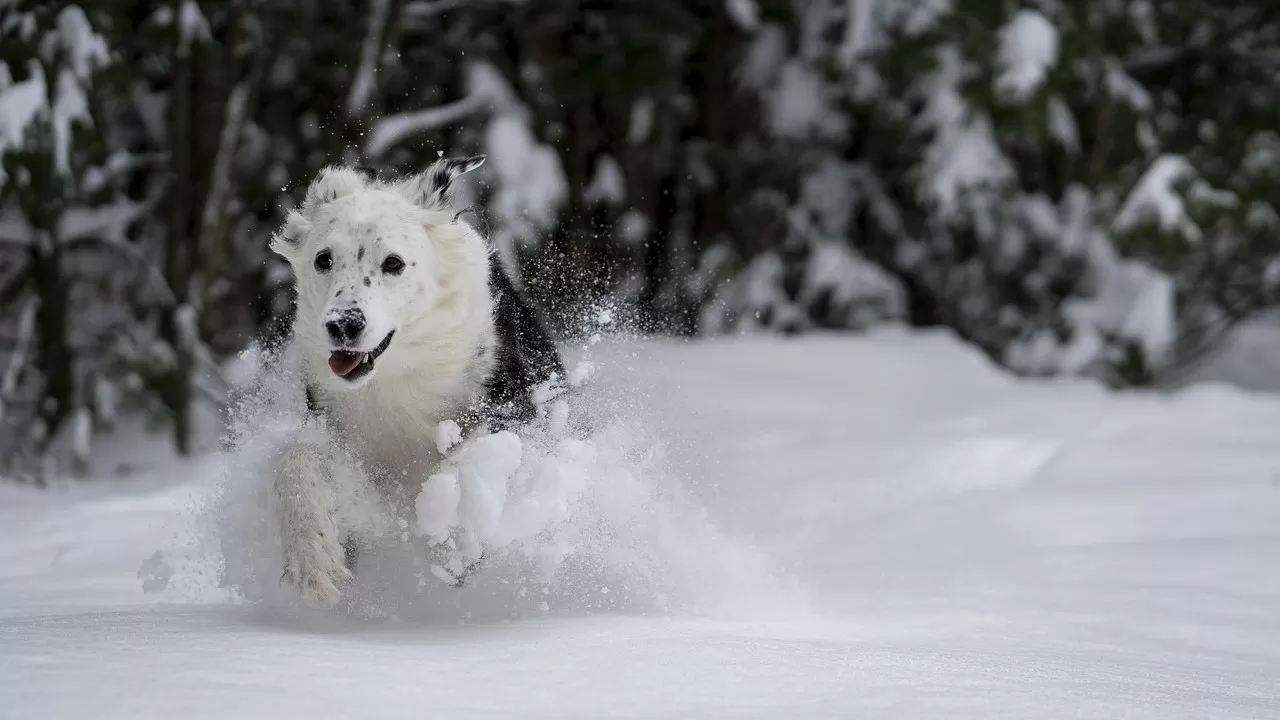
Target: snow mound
{"type": "Point", "coordinates": [972, 545]}
{"type": "Point", "coordinates": [579, 511]}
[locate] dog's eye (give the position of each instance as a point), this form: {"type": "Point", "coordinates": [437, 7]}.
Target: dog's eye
{"type": "Point", "coordinates": [324, 261]}
{"type": "Point", "coordinates": [393, 265]}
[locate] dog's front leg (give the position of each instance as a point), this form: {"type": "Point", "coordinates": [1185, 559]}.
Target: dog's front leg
{"type": "Point", "coordinates": [314, 556]}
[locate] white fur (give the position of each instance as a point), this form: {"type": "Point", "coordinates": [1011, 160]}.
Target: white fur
{"type": "Point", "coordinates": [441, 312]}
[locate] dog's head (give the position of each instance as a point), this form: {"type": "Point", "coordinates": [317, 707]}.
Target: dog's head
{"type": "Point", "coordinates": [373, 261]}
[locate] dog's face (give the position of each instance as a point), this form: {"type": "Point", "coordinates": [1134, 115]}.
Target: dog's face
{"type": "Point", "coordinates": [367, 264]}
{"type": "Point", "coordinates": [366, 261]}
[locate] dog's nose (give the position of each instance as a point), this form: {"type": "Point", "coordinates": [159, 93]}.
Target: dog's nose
{"type": "Point", "coordinates": [345, 326]}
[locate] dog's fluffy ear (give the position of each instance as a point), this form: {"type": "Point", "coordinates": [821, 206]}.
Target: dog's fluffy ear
{"type": "Point", "coordinates": [427, 189]}
{"type": "Point", "coordinates": [284, 242]}
{"type": "Point", "coordinates": [333, 182]}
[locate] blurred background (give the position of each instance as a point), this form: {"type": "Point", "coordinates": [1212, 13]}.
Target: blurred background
{"type": "Point", "coordinates": [1085, 187]}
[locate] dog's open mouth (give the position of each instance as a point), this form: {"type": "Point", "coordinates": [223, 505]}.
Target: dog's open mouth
{"type": "Point", "coordinates": [351, 365]}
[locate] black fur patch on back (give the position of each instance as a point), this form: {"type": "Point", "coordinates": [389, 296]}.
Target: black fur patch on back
{"type": "Point", "coordinates": [525, 354]}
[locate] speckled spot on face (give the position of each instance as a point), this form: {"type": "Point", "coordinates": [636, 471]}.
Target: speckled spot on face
{"type": "Point", "coordinates": [367, 282]}
{"type": "Point", "coordinates": [360, 253]}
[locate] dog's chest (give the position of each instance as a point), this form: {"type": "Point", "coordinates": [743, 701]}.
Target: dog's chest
{"type": "Point", "coordinates": [392, 427]}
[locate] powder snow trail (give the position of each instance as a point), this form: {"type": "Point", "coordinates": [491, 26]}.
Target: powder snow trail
{"type": "Point", "coordinates": [946, 541]}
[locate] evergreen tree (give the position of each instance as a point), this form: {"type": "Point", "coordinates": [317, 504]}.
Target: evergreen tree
{"type": "Point", "coordinates": [1084, 187]}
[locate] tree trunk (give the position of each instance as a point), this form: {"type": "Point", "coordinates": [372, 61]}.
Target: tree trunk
{"type": "Point", "coordinates": [176, 389]}
{"type": "Point", "coordinates": [54, 351]}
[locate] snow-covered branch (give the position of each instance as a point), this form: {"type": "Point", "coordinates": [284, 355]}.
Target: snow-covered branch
{"type": "Point", "coordinates": [857, 29]}
{"type": "Point", "coordinates": [107, 222]}
{"type": "Point", "coordinates": [364, 82]}
{"type": "Point", "coordinates": [105, 227]}
{"type": "Point", "coordinates": [425, 9]}
{"type": "Point", "coordinates": [117, 166]}
{"type": "Point", "coordinates": [391, 130]}
{"type": "Point", "coordinates": [744, 13]}
{"type": "Point", "coordinates": [193, 27]}
{"type": "Point", "coordinates": [215, 204]}
{"type": "Point", "coordinates": [187, 319]}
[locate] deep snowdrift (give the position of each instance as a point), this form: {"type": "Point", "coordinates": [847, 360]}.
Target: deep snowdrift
{"type": "Point", "coordinates": [825, 527]}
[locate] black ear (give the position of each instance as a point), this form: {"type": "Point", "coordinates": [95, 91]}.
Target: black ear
{"type": "Point", "coordinates": [428, 188]}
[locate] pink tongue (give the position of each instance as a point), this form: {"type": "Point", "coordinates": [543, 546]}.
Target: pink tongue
{"type": "Point", "coordinates": [342, 362]}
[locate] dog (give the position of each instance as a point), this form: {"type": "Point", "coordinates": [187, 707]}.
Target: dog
{"type": "Point", "coordinates": [404, 319]}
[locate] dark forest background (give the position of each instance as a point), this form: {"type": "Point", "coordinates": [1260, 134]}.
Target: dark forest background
{"type": "Point", "coordinates": [1072, 187]}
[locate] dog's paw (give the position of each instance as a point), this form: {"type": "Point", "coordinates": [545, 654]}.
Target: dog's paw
{"type": "Point", "coordinates": [315, 566]}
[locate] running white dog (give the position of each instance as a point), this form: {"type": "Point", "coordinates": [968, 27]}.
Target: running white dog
{"type": "Point", "coordinates": [404, 319]}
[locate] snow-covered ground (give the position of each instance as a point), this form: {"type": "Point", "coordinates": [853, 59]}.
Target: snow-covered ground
{"type": "Point", "coordinates": [879, 526]}
{"type": "Point", "coordinates": [1249, 359]}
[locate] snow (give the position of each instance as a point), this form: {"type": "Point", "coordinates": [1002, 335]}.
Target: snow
{"type": "Point", "coordinates": [82, 435]}
{"type": "Point", "coordinates": [106, 401]}
{"type": "Point", "coordinates": [21, 104]}
{"type": "Point", "coordinates": [1263, 153]}
{"type": "Point", "coordinates": [531, 185]}
{"type": "Point", "coordinates": [858, 29]}
{"type": "Point", "coordinates": [107, 222]}
{"type": "Point", "coordinates": [483, 470]}
{"type": "Point", "coordinates": [608, 184]}
{"type": "Point", "coordinates": [1123, 87]}
{"type": "Point", "coordinates": [757, 292]}
{"type": "Point", "coordinates": [422, 10]}
{"type": "Point", "coordinates": [1133, 301]}
{"type": "Point", "coordinates": [1250, 357]}
{"type": "Point", "coordinates": [962, 156]}
{"type": "Point", "coordinates": [83, 49]}
{"type": "Point", "coordinates": [870, 294]}
{"type": "Point", "coordinates": [915, 18]}
{"type": "Point", "coordinates": [486, 90]}
{"type": "Point", "coordinates": [1063, 126]}
{"type": "Point", "coordinates": [81, 52]}
{"type": "Point", "coordinates": [220, 191]}
{"type": "Point", "coordinates": [363, 83]}
{"type": "Point", "coordinates": [448, 434]}
{"type": "Point", "coordinates": [437, 506]}
{"type": "Point", "coordinates": [744, 13]}
{"type": "Point", "coordinates": [763, 59]}
{"type": "Point", "coordinates": [1155, 198]}
{"type": "Point", "coordinates": [193, 26]}
{"type": "Point", "coordinates": [798, 106]}
{"type": "Point", "coordinates": [1126, 299]}
{"type": "Point", "coordinates": [641, 124]}
{"type": "Point", "coordinates": [390, 130]}
{"type": "Point", "coordinates": [632, 227]}
{"type": "Point", "coordinates": [833, 526]}
{"type": "Point", "coordinates": [1028, 51]}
